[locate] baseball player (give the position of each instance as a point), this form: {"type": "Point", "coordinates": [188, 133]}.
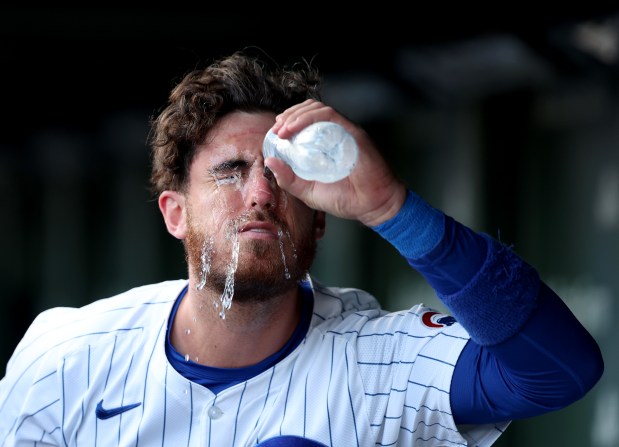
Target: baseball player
{"type": "Point", "coordinates": [250, 349]}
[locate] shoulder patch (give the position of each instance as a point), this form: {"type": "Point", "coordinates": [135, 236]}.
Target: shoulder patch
{"type": "Point", "coordinates": [436, 319]}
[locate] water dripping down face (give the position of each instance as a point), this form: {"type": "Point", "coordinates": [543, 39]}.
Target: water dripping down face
{"type": "Point", "coordinates": [206, 256]}
{"type": "Point", "coordinates": [246, 238]}
{"type": "Point", "coordinates": [249, 269]}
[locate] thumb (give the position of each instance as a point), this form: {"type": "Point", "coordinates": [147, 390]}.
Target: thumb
{"type": "Point", "coordinates": [286, 178]}
{"type": "Point", "coordinates": [280, 169]}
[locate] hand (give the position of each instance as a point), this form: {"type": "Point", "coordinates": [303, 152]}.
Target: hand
{"type": "Point", "coordinates": [371, 193]}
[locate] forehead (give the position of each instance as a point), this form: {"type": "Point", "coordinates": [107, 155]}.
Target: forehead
{"type": "Point", "coordinates": [236, 134]}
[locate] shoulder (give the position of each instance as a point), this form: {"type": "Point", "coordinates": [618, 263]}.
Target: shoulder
{"type": "Point", "coordinates": [110, 312]}
{"type": "Point", "coordinates": [56, 332]}
{"type": "Point", "coordinates": [330, 302]}
{"type": "Point", "coordinates": [355, 310]}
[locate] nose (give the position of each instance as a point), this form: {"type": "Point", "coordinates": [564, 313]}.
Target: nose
{"type": "Point", "coordinates": [261, 189]}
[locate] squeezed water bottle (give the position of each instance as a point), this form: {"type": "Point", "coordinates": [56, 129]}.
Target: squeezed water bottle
{"type": "Point", "coordinates": [323, 151]}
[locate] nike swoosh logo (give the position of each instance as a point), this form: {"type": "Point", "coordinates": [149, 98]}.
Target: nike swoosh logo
{"type": "Point", "coordinates": [106, 413]}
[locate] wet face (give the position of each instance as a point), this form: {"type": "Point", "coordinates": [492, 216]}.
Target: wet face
{"type": "Point", "coordinates": [245, 237]}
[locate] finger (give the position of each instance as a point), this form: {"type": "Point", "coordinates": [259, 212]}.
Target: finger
{"type": "Point", "coordinates": [282, 118]}
{"type": "Point", "coordinates": [295, 119]}
{"type": "Point", "coordinates": [307, 104]}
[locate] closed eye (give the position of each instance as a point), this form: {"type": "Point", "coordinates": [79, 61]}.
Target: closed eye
{"type": "Point", "coordinates": [228, 179]}
{"type": "Point", "coordinates": [230, 171]}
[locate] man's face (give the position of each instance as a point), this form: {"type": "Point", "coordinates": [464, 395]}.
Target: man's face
{"type": "Point", "coordinates": [243, 232]}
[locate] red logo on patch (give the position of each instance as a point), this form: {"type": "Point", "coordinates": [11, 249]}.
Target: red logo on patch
{"type": "Point", "coordinates": [437, 319]}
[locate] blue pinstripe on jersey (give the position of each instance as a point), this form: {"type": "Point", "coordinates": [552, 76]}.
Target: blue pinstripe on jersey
{"type": "Point", "coordinates": [312, 395]}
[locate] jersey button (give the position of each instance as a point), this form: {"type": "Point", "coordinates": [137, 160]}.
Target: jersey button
{"type": "Point", "coordinates": [215, 412]}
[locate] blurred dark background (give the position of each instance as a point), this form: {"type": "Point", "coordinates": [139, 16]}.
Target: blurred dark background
{"type": "Point", "coordinates": [505, 116]}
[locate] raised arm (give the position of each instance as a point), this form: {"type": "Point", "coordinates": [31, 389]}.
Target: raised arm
{"type": "Point", "coordinates": [528, 353]}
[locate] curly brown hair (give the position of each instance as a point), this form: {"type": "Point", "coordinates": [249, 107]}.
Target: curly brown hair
{"type": "Point", "coordinates": [239, 82]}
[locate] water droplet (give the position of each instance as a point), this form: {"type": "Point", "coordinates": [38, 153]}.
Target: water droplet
{"type": "Point", "coordinates": [187, 331]}
{"type": "Point", "coordinates": [186, 357]}
{"type": "Point", "coordinates": [280, 235]}
{"type": "Point", "coordinates": [205, 261]}
{"type": "Point", "coordinates": [228, 292]}
{"type": "Point", "coordinates": [294, 249]}
{"type": "Point", "coordinates": [234, 179]}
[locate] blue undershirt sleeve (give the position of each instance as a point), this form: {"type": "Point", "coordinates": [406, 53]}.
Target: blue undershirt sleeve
{"type": "Point", "coordinates": [488, 288]}
{"type": "Point", "coordinates": [513, 366]}
{"type": "Point", "coordinates": [550, 363]}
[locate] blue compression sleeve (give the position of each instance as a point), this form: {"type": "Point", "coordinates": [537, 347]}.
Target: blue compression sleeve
{"type": "Point", "coordinates": [552, 362]}
{"type": "Point", "coordinates": [418, 218]}
{"type": "Point", "coordinates": [494, 294]}
{"type": "Point", "coordinates": [487, 287]}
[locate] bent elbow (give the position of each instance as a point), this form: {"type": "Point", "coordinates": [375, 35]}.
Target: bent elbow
{"type": "Point", "coordinates": [582, 381]}
{"type": "Point", "coordinates": [591, 373]}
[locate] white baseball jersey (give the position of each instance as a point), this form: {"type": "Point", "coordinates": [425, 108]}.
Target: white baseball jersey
{"type": "Point", "coordinates": [99, 376]}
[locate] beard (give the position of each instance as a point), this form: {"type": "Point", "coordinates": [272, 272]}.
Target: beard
{"type": "Point", "coordinates": [257, 269]}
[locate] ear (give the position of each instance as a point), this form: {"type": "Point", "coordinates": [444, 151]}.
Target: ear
{"type": "Point", "coordinates": [320, 222]}
{"type": "Point", "coordinates": [172, 207]}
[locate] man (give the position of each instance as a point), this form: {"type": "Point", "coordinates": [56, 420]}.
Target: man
{"type": "Point", "coordinates": [250, 349]}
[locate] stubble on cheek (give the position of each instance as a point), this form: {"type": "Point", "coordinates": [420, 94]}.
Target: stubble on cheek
{"type": "Point", "coordinates": [263, 267]}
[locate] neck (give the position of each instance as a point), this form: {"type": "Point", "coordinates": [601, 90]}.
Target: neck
{"type": "Point", "coordinates": [242, 335]}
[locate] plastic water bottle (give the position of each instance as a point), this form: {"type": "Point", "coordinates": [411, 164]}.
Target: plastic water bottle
{"type": "Point", "coordinates": [323, 151]}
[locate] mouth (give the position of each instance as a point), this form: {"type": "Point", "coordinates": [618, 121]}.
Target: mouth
{"type": "Point", "coordinates": [259, 230]}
